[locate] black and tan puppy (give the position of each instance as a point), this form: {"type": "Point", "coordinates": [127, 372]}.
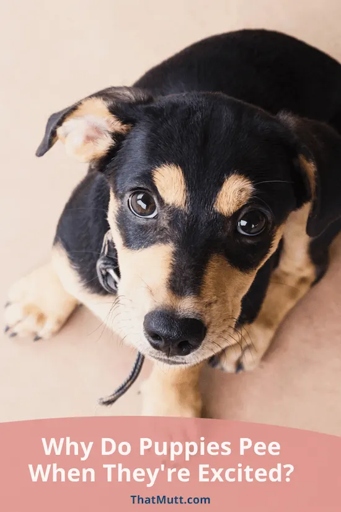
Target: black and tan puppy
{"type": "Point", "coordinates": [220, 183]}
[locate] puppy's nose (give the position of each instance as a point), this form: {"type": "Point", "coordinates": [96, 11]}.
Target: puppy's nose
{"type": "Point", "coordinates": [173, 335]}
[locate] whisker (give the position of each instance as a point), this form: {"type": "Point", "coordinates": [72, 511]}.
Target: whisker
{"type": "Point", "coordinates": [273, 181]}
{"type": "Point", "coordinates": [70, 208]}
{"type": "Point", "coordinates": [264, 202]}
{"type": "Point", "coordinates": [103, 323]}
{"type": "Point", "coordinates": [148, 287]}
{"type": "Point", "coordinates": [97, 253]}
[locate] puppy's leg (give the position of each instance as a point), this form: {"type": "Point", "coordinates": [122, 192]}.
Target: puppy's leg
{"type": "Point", "coordinates": [172, 391]}
{"type": "Point", "coordinates": [41, 302]}
{"type": "Point", "coordinates": [289, 283]}
{"type": "Point", "coordinates": [283, 293]}
{"type": "Point", "coordinates": [38, 304]}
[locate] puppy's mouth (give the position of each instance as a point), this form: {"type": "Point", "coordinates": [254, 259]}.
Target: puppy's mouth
{"type": "Point", "coordinates": [169, 361]}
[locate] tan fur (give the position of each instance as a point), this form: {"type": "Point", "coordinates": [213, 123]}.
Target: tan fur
{"type": "Point", "coordinates": [289, 283]}
{"type": "Point", "coordinates": [311, 172]}
{"type": "Point", "coordinates": [235, 193]}
{"type": "Point", "coordinates": [87, 131]}
{"type": "Point", "coordinates": [170, 182]}
{"type": "Point", "coordinates": [172, 391]}
{"type": "Point", "coordinates": [220, 301]}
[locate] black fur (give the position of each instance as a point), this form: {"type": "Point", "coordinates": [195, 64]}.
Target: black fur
{"type": "Point", "coordinates": [200, 110]}
{"type": "Point", "coordinates": [268, 69]}
{"type": "Point", "coordinates": [82, 227]}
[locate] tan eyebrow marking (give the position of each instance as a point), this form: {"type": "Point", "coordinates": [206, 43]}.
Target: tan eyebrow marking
{"type": "Point", "coordinates": [170, 182]}
{"type": "Point", "coordinates": [235, 192]}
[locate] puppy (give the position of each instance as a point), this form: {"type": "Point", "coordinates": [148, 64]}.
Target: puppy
{"type": "Point", "coordinates": [218, 178]}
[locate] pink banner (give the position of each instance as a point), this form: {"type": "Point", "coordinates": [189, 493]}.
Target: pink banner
{"type": "Point", "coordinates": [120, 464]}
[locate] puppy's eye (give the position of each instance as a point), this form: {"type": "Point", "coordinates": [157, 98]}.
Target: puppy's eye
{"type": "Point", "coordinates": [252, 222]}
{"type": "Point", "coordinates": [142, 204]}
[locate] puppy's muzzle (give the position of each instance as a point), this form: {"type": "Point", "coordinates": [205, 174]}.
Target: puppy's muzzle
{"type": "Point", "coordinates": [173, 335]}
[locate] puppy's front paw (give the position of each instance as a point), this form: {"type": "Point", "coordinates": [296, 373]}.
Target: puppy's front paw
{"type": "Point", "coordinates": [248, 353]}
{"type": "Point", "coordinates": [37, 305]}
{"type": "Point", "coordinates": [235, 359]}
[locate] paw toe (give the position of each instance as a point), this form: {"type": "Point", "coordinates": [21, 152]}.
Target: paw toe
{"type": "Point", "coordinates": [214, 361]}
{"type": "Point", "coordinates": [239, 367]}
{"type": "Point", "coordinates": [26, 321]}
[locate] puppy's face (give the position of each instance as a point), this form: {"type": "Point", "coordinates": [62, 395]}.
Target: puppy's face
{"type": "Point", "coordinates": [201, 186]}
{"type": "Point", "coordinates": [200, 191]}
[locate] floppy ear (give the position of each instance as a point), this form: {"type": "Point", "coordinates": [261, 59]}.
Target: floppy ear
{"type": "Point", "coordinates": [92, 126]}
{"type": "Point", "coordinates": [319, 156]}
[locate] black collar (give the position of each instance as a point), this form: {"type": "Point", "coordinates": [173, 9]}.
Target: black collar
{"type": "Point", "coordinates": [107, 268]}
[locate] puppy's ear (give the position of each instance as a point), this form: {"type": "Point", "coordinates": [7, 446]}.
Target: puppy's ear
{"type": "Point", "coordinates": [319, 156]}
{"type": "Point", "coordinates": [92, 126]}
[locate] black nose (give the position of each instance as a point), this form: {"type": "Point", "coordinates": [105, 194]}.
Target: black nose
{"type": "Point", "coordinates": [173, 335]}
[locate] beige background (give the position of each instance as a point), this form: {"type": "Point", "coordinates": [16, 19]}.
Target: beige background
{"type": "Point", "coordinates": [55, 53]}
